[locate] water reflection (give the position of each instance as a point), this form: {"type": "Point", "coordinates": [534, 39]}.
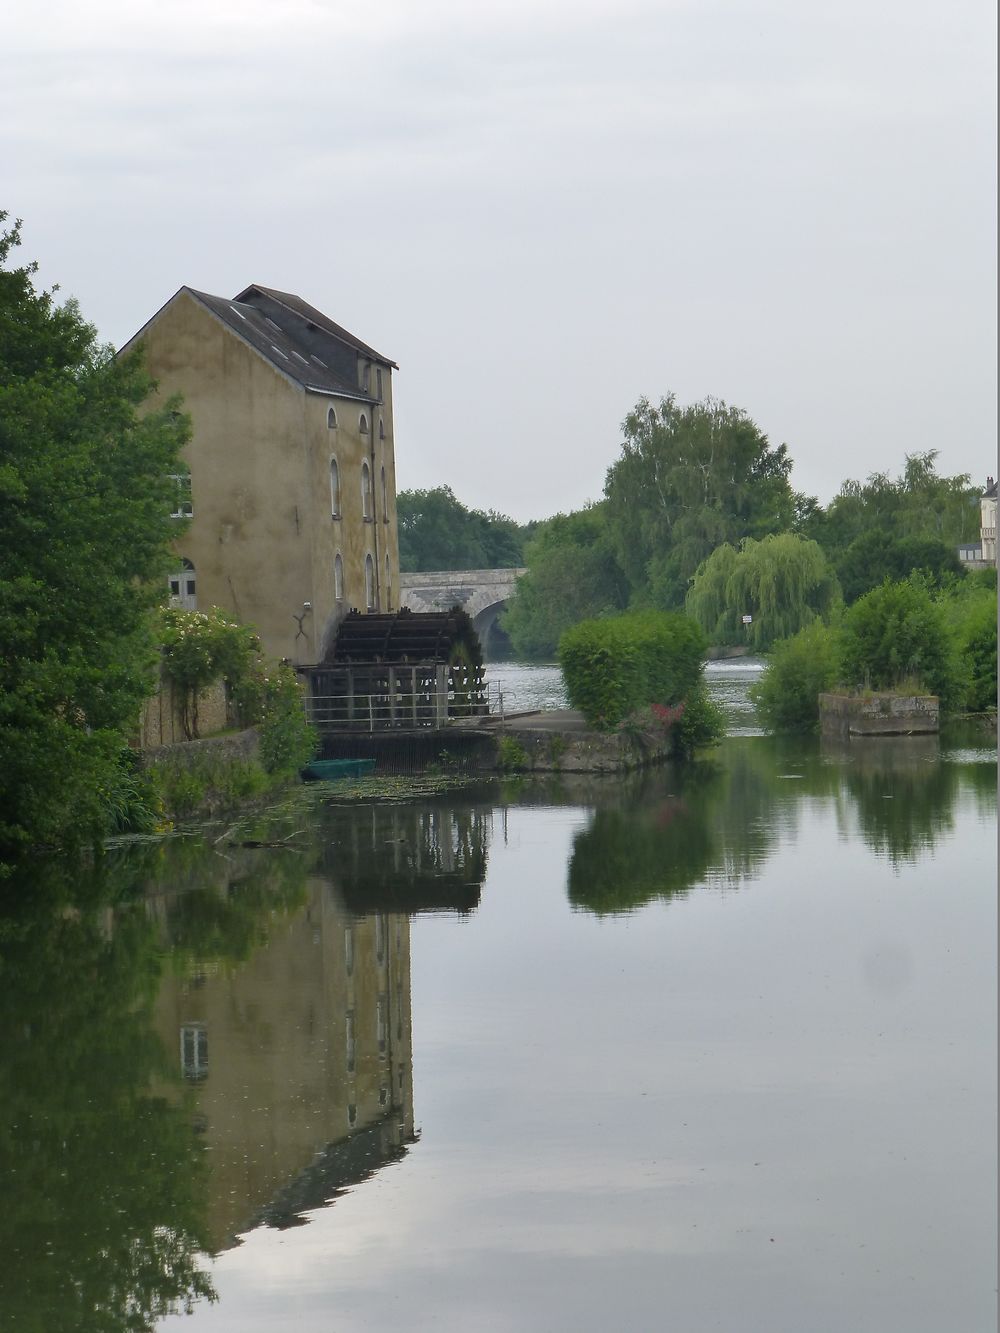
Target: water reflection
{"type": "Point", "coordinates": [408, 858]}
{"type": "Point", "coordinates": [207, 1037]}
{"type": "Point", "coordinates": [717, 822]}
{"type": "Point", "coordinates": [105, 1184]}
{"type": "Point", "coordinates": [202, 1037]}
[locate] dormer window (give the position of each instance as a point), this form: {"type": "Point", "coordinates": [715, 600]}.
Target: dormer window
{"type": "Point", "coordinates": [378, 383]}
{"type": "Point", "coordinates": [366, 371]}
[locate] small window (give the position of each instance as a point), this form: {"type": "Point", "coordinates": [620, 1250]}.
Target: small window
{"type": "Point", "coordinates": [363, 424]}
{"type": "Point", "coordinates": [183, 507]}
{"type": "Point", "coordinates": [194, 1053]}
{"type": "Point", "coordinates": [366, 371]}
{"type": "Point", "coordinates": [338, 577]}
{"type": "Point", "coordinates": [369, 583]}
{"type": "Point", "coordinates": [388, 585]}
{"type": "Point", "coordinates": [331, 419]}
{"type": "Point", "coordinates": [385, 500]}
{"type": "Point", "coordinates": [381, 429]}
{"type": "Point", "coordinates": [351, 1042]}
{"type": "Point", "coordinates": [366, 492]}
{"type": "Point", "coordinates": [334, 489]}
{"type": "Point", "coordinates": [378, 383]}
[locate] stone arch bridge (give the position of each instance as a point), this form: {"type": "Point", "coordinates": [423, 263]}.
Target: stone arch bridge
{"type": "Point", "coordinates": [482, 593]}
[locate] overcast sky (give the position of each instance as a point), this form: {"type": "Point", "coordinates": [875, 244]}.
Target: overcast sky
{"type": "Point", "coordinates": [543, 211]}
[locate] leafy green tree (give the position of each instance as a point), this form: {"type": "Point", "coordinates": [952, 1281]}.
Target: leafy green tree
{"type": "Point", "coordinates": [917, 505]}
{"type": "Point", "coordinates": [437, 531]}
{"type": "Point", "coordinates": [897, 633]}
{"type": "Point", "coordinates": [85, 527]}
{"type": "Point", "coordinates": [877, 555]}
{"type": "Point", "coordinates": [573, 575]}
{"type": "Point", "coordinates": [690, 479]}
{"type": "Point", "coordinates": [783, 582]}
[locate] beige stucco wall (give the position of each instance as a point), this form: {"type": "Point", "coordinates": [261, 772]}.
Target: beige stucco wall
{"type": "Point", "coordinates": [262, 538]}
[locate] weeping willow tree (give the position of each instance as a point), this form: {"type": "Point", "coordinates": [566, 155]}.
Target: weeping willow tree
{"type": "Point", "coordinates": [783, 582]}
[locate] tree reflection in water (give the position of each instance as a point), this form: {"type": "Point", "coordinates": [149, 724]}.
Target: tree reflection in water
{"type": "Point", "coordinates": [103, 1213]}
{"type": "Point", "coordinates": [716, 822]}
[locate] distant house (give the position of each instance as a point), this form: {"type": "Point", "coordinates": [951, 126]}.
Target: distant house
{"type": "Point", "coordinates": [988, 522]}
{"type": "Point", "coordinates": [290, 481]}
{"type": "Point", "coordinates": [982, 554]}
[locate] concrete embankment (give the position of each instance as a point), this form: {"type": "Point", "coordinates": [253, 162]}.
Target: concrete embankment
{"type": "Point", "coordinates": [558, 740]}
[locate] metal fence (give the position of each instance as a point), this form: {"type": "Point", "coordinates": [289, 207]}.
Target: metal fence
{"type": "Point", "coordinates": [369, 697]}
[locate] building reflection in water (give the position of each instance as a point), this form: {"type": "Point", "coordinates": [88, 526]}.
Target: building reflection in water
{"type": "Point", "coordinates": [298, 1061]}
{"type": "Point", "coordinates": [290, 1054]}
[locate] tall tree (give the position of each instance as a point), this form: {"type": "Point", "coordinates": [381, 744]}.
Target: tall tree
{"type": "Point", "coordinates": [690, 479]}
{"type": "Point", "coordinates": [85, 527]}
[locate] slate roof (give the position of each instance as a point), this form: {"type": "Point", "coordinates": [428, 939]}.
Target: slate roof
{"type": "Point", "coordinates": [297, 339]}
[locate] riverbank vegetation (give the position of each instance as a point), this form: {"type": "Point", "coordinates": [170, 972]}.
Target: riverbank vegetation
{"type": "Point", "coordinates": [905, 635]}
{"type": "Point", "coordinates": [87, 501]}
{"type": "Point", "coordinates": [645, 664]}
{"type": "Point", "coordinates": [85, 528]}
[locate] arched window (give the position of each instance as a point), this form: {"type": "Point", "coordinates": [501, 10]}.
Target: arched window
{"type": "Point", "coordinates": [366, 492]}
{"type": "Point", "coordinates": [334, 488]}
{"type": "Point", "coordinates": [338, 577]}
{"type": "Point", "coordinates": [363, 424]}
{"type": "Point", "coordinates": [182, 587]}
{"type": "Point", "coordinates": [388, 585]}
{"type": "Point", "coordinates": [369, 583]}
{"type": "Point", "coordinates": [381, 429]}
{"type": "Point", "coordinates": [331, 419]}
{"type": "Point", "coordinates": [385, 500]}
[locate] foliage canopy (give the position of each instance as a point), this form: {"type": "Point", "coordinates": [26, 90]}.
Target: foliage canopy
{"type": "Point", "coordinates": [85, 527]}
{"type": "Point", "coordinates": [437, 531]}
{"type": "Point", "coordinates": [572, 576]}
{"type": "Point", "coordinates": [690, 479]}
{"type": "Point", "coordinates": [783, 582]}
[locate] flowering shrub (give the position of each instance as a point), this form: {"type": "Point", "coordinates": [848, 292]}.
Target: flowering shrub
{"type": "Point", "coordinates": [202, 646]}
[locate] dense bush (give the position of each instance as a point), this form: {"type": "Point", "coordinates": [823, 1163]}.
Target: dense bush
{"type": "Point", "coordinates": [799, 669]}
{"type": "Point", "coordinates": [898, 633]}
{"type": "Point", "coordinates": [614, 666]}
{"type": "Point", "coordinates": [970, 611]}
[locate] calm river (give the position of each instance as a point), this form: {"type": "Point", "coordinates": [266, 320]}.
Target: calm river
{"type": "Point", "coordinates": [711, 1049]}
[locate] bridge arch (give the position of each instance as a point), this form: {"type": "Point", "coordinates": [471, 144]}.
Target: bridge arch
{"type": "Point", "coordinates": [482, 593]}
